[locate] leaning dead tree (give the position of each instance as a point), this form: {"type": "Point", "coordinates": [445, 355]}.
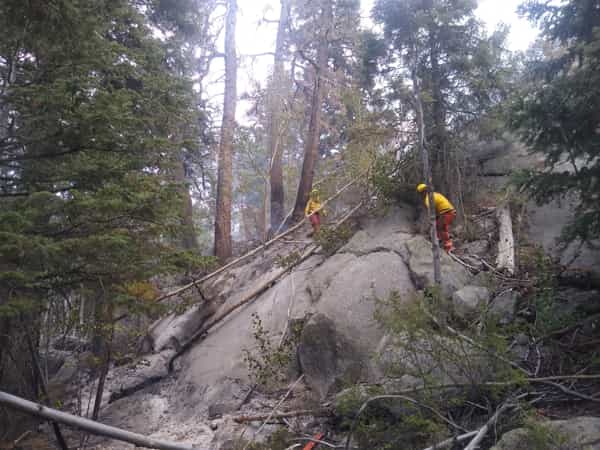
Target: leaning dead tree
{"type": "Point", "coordinates": [87, 425]}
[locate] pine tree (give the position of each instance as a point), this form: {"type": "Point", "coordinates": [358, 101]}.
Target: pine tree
{"type": "Point", "coordinates": [557, 114]}
{"type": "Point", "coordinates": [223, 244]}
{"type": "Point", "coordinates": [460, 69]}
{"type": "Point", "coordinates": [87, 199]}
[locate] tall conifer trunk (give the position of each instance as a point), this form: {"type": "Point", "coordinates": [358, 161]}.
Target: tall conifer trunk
{"type": "Point", "coordinates": [311, 146]}
{"type": "Point", "coordinates": [275, 145]}
{"type": "Point", "coordinates": [223, 247]}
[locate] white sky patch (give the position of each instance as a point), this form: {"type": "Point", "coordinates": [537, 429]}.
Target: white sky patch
{"type": "Point", "coordinates": [255, 36]}
{"type": "Point", "coordinates": [495, 12]}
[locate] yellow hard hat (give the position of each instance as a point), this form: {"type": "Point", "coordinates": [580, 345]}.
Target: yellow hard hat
{"type": "Point", "coordinates": [421, 187]}
{"type": "Point", "coordinates": [314, 192]}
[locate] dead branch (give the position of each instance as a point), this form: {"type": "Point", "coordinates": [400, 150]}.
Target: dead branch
{"type": "Point", "coordinates": [257, 249]}
{"type": "Point", "coordinates": [268, 417]}
{"type": "Point", "coordinates": [484, 429]}
{"type": "Point", "coordinates": [81, 423]}
{"type": "Point", "coordinates": [273, 412]}
{"type": "Point", "coordinates": [453, 440]}
{"type": "Point", "coordinates": [202, 333]}
{"type": "Point", "coordinates": [571, 391]}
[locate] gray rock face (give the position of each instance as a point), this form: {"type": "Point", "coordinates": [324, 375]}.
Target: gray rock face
{"type": "Point", "coordinates": [338, 294]}
{"type": "Point", "coordinates": [470, 300]}
{"type": "Point", "coordinates": [577, 433]}
{"type": "Point", "coordinates": [546, 223]}
{"type": "Point", "coordinates": [325, 355]}
{"type": "Point", "coordinates": [418, 256]}
{"type": "Point", "coordinates": [174, 330]}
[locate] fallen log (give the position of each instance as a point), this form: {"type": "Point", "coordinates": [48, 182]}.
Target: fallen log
{"type": "Point", "coordinates": [87, 425]}
{"type": "Point", "coordinates": [202, 333]}
{"type": "Point", "coordinates": [506, 241]}
{"type": "Point", "coordinates": [257, 249]}
{"type": "Point", "coordinates": [474, 444]}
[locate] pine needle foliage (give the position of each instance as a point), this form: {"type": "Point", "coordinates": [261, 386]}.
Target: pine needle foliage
{"type": "Point", "coordinates": [556, 113]}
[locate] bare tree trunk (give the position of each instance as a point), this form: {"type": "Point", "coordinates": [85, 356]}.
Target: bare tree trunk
{"type": "Point", "coordinates": [275, 145]}
{"type": "Point", "coordinates": [189, 239]}
{"type": "Point", "coordinates": [437, 271]}
{"type": "Point", "coordinates": [35, 409]}
{"type": "Point", "coordinates": [311, 146]}
{"type": "Point", "coordinates": [506, 241]}
{"type": "Point", "coordinates": [223, 247]}
{"type": "Point", "coordinates": [35, 362]}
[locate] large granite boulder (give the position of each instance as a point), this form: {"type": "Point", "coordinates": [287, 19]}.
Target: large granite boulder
{"type": "Point", "coordinates": [418, 256]}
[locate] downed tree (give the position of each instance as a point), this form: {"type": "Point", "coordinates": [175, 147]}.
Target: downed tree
{"type": "Point", "coordinates": [202, 333]}
{"type": "Point", "coordinates": [506, 241]}
{"type": "Point", "coordinates": [90, 426]}
{"type": "Point", "coordinates": [257, 249]}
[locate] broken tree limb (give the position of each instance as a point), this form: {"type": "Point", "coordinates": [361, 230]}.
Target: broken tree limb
{"type": "Point", "coordinates": [474, 444]}
{"type": "Point", "coordinates": [256, 250]}
{"type": "Point", "coordinates": [90, 426]}
{"type": "Point", "coordinates": [453, 440]}
{"type": "Point", "coordinates": [506, 241]}
{"type": "Point", "coordinates": [202, 333]}
{"type": "Point", "coordinates": [285, 415]}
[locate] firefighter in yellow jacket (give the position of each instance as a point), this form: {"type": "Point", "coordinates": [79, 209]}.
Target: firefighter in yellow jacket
{"type": "Point", "coordinates": [445, 213]}
{"type": "Point", "coordinates": [314, 206]}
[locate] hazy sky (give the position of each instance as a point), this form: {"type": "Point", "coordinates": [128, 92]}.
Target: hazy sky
{"type": "Point", "coordinates": [254, 37]}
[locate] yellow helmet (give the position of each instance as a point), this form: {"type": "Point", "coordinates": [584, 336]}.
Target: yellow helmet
{"type": "Point", "coordinates": [314, 192]}
{"type": "Point", "coordinates": [421, 187]}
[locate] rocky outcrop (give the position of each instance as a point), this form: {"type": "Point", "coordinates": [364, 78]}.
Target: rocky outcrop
{"type": "Point", "coordinates": [334, 297]}
{"type": "Point", "coordinates": [576, 433]}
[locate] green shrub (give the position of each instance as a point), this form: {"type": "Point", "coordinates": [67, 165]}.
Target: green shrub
{"type": "Point", "coordinates": [332, 239]}
{"type": "Point", "coordinates": [268, 362]}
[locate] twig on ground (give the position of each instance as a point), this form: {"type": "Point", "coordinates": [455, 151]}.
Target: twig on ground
{"type": "Point", "coordinates": [571, 392]}
{"type": "Point", "coordinates": [289, 391]}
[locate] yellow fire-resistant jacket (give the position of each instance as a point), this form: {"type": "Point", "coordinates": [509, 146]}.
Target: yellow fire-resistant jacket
{"type": "Point", "coordinates": [311, 206]}
{"type": "Point", "coordinates": [442, 204]}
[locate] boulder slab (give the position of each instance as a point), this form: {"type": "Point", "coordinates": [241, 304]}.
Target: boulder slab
{"type": "Point", "coordinates": [470, 300]}
{"type": "Point", "coordinates": [575, 433]}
